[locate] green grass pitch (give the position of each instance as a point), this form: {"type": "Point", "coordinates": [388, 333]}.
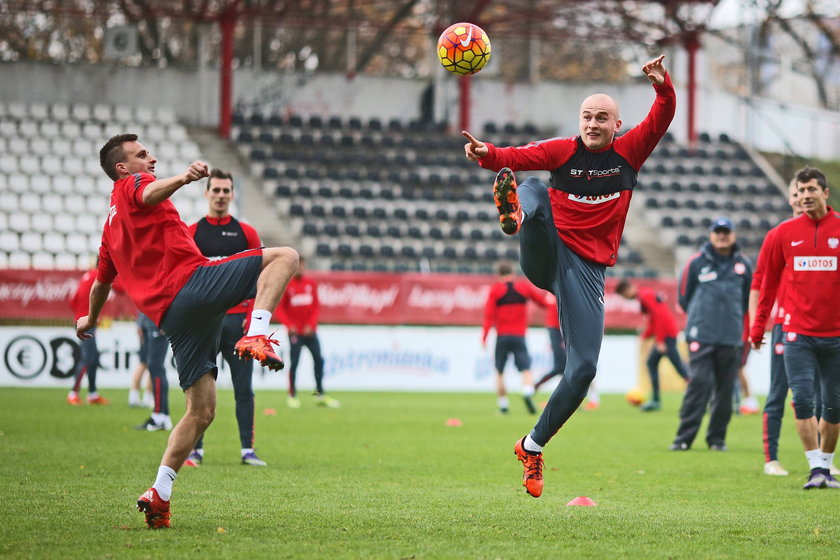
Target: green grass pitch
{"type": "Point", "coordinates": [385, 477]}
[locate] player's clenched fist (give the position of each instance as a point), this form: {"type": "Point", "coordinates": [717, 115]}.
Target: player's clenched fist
{"type": "Point", "coordinates": [197, 170]}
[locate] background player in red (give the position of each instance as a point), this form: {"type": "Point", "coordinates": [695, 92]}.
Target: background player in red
{"type": "Point", "coordinates": [145, 241]}
{"type": "Point", "coordinates": [570, 231]}
{"type": "Point", "coordinates": [299, 310]}
{"type": "Point", "coordinates": [220, 235]}
{"type": "Point", "coordinates": [506, 310]}
{"type": "Point", "coordinates": [555, 337]}
{"type": "Point", "coordinates": [808, 248]}
{"type": "Point", "coordinates": [89, 359]}
{"type": "Point", "coordinates": [662, 326]}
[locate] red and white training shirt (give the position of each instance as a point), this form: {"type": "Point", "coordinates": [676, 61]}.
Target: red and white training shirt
{"type": "Point", "coordinates": [809, 249]}
{"type": "Point", "coordinates": [149, 247]}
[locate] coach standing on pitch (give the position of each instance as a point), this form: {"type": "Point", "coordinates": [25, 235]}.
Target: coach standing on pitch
{"type": "Point", "coordinates": [807, 249]}
{"type": "Point", "coordinates": [714, 290]}
{"type": "Point", "coordinates": [571, 231]}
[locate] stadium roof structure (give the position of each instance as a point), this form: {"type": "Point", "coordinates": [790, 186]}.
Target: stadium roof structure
{"type": "Point", "coordinates": [645, 22]}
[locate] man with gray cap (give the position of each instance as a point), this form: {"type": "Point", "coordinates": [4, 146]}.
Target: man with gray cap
{"type": "Point", "coordinates": [714, 288]}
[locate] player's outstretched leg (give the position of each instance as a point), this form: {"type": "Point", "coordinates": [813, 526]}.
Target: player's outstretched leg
{"type": "Point", "coordinates": [156, 509]}
{"type": "Point", "coordinates": [532, 478]}
{"type": "Point", "coordinates": [259, 348]}
{"type": "Point", "coordinates": [507, 201]}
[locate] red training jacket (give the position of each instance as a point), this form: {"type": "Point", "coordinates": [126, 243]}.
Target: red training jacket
{"type": "Point", "coordinates": [590, 191]}
{"type": "Point", "coordinates": [299, 307]}
{"type": "Point", "coordinates": [809, 249]}
{"type": "Point", "coordinates": [758, 278]}
{"type": "Point", "coordinates": [506, 307]}
{"type": "Point", "coordinates": [660, 321]}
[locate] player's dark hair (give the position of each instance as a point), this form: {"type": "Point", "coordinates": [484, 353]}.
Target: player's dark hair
{"type": "Point", "coordinates": [113, 153]}
{"type": "Point", "coordinates": [217, 173]}
{"type": "Point", "coordinates": [504, 269]}
{"type": "Point", "coordinates": [807, 173]}
{"type": "Point", "coordinates": [623, 285]}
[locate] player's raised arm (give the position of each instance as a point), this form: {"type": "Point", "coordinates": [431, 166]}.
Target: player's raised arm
{"type": "Point", "coordinates": [474, 149]}
{"type": "Point", "coordinates": [158, 191]}
{"type": "Point", "coordinates": [655, 70]}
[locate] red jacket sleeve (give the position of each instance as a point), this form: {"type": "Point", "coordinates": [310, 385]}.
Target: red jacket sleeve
{"type": "Point", "coordinates": [251, 236]}
{"type": "Point", "coordinates": [544, 154]}
{"type": "Point", "coordinates": [638, 143]}
{"type": "Point", "coordinates": [489, 312]}
{"type": "Point", "coordinates": [771, 252]}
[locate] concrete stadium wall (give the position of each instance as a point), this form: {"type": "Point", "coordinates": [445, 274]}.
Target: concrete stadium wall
{"type": "Point", "coordinates": [193, 94]}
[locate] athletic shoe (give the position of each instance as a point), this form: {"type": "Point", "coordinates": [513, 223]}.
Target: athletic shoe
{"type": "Point", "coordinates": [592, 405]}
{"type": "Point", "coordinates": [718, 447]}
{"type": "Point", "coordinates": [251, 458]}
{"type": "Point", "coordinates": [73, 399]}
{"type": "Point", "coordinates": [98, 400]}
{"type": "Point", "coordinates": [774, 468]}
{"type": "Point", "coordinates": [292, 402]}
{"type": "Point", "coordinates": [503, 411]}
{"type": "Point", "coordinates": [830, 481]}
{"type": "Point", "coordinates": [507, 201]}
{"type": "Point", "coordinates": [167, 424]}
{"type": "Point", "coordinates": [156, 510]}
{"type": "Point", "coordinates": [834, 471]}
{"type": "Point", "coordinates": [259, 348]}
{"type": "Point", "coordinates": [816, 479]}
{"type": "Point", "coordinates": [651, 406]}
{"type": "Point", "coordinates": [532, 478]}
{"type": "Point", "coordinates": [194, 459]}
{"type": "Point", "coordinates": [747, 410]}
{"type": "Point", "coordinates": [679, 446]}
{"type": "Point", "coordinates": [150, 426]}
{"type": "Point", "coordinates": [329, 402]}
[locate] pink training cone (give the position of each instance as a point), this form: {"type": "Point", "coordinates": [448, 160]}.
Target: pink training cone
{"type": "Point", "coordinates": [454, 422]}
{"type": "Point", "coordinates": [582, 501]}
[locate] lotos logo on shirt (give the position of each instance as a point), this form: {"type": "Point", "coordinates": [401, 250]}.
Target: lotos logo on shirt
{"type": "Point", "coordinates": [814, 263]}
{"type": "Point", "coordinates": [594, 199]}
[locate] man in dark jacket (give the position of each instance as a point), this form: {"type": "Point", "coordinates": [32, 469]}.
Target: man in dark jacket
{"type": "Point", "coordinates": [714, 289]}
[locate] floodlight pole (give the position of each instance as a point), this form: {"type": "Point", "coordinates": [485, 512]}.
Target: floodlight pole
{"type": "Point", "coordinates": [227, 23]}
{"type": "Point", "coordinates": [465, 102]}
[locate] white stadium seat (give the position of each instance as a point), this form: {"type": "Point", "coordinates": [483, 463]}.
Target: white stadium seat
{"type": "Point", "coordinates": [9, 203]}
{"type": "Point", "coordinates": [52, 203]}
{"type": "Point", "coordinates": [94, 240]}
{"type": "Point", "coordinates": [20, 222]}
{"type": "Point", "coordinates": [30, 165]}
{"type": "Point", "coordinates": [177, 132]}
{"type": "Point", "coordinates": [165, 115]}
{"type": "Point", "coordinates": [30, 202]}
{"type": "Point", "coordinates": [31, 242]}
{"type": "Point", "coordinates": [72, 165]}
{"type": "Point", "coordinates": [76, 243]}
{"type": "Point", "coordinates": [62, 184]}
{"type": "Point", "coordinates": [18, 182]}
{"type": "Point", "coordinates": [18, 146]}
{"type": "Point", "coordinates": [144, 114]}
{"type": "Point", "coordinates": [60, 112]}
{"type": "Point", "coordinates": [40, 146]}
{"type": "Point", "coordinates": [39, 111]}
{"type": "Point", "coordinates": [54, 242]}
{"type": "Point", "coordinates": [8, 163]}
{"type": "Point", "coordinates": [80, 112]}
{"type": "Point", "coordinates": [61, 147]}
{"type": "Point", "coordinates": [4, 221]}
{"type": "Point", "coordinates": [96, 205]}
{"type": "Point", "coordinates": [70, 129]}
{"type": "Point", "coordinates": [52, 166]}
{"type": "Point", "coordinates": [50, 129]}
{"type": "Point", "coordinates": [123, 114]}
{"type": "Point", "coordinates": [102, 112]}
{"type": "Point", "coordinates": [87, 261]}
{"type": "Point", "coordinates": [17, 110]}
{"type": "Point", "coordinates": [42, 222]}
{"type": "Point", "coordinates": [41, 184]}
{"type": "Point", "coordinates": [19, 259]}
{"type": "Point", "coordinates": [74, 205]}
{"type": "Point", "coordinates": [4, 260]}
{"type": "Point", "coordinates": [9, 241]}
{"type": "Point", "coordinates": [29, 129]}
{"type": "Point", "coordinates": [64, 223]}
{"type": "Point", "coordinates": [92, 131]}
{"type": "Point", "coordinates": [43, 261]}
{"type": "Point", "coordinates": [66, 261]}
{"type": "Point", "coordinates": [92, 168]}
{"type": "Point", "coordinates": [8, 128]}
{"type": "Point", "coordinates": [85, 223]}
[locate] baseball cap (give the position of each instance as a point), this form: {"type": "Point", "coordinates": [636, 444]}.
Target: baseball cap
{"type": "Point", "coordinates": [722, 223]}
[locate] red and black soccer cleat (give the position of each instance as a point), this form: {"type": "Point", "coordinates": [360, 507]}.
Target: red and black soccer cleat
{"type": "Point", "coordinates": [156, 510]}
{"type": "Point", "coordinates": [259, 348]}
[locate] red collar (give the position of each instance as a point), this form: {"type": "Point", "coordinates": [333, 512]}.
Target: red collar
{"type": "Point", "coordinates": [219, 221]}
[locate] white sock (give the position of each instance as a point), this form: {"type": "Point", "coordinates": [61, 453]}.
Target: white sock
{"type": "Point", "coordinates": [259, 322]}
{"type": "Point", "coordinates": [163, 482]}
{"type": "Point", "coordinates": [246, 450]}
{"type": "Point", "coordinates": [133, 396]}
{"type": "Point", "coordinates": [73, 394]}
{"type": "Point", "coordinates": [814, 457]}
{"type": "Point", "coordinates": [531, 445]}
{"type": "Point", "coordinates": [528, 390]}
{"type": "Point", "coordinates": [93, 395]}
{"type": "Point", "coordinates": [826, 459]}
{"type": "Point", "coordinates": [503, 402]}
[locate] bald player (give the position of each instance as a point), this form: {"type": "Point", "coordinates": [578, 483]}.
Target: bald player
{"type": "Point", "coordinates": [570, 230]}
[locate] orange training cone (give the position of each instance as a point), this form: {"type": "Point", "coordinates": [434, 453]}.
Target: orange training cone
{"type": "Point", "coordinates": [454, 422]}
{"type": "Point", "coordinates": [582, 501]}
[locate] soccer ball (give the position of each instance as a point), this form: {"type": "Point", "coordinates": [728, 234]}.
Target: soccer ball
{"type": "Point", "coordinates": [463, 48]}
{"type": "Point", "coordinates": [635, 396]}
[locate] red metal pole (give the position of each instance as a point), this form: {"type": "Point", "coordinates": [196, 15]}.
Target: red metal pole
{"type": "Point", "coordinates": [228, 24]}
{"type": "Point", "coordinates": [692, 45]}
{"type": "Point", "coordinates": [465, 102]}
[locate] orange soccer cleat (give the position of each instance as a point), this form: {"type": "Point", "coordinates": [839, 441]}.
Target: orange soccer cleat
{"type": "Point", "coordinates": [98, 400]}
{"type": "Point", "coordinates": [259, 348]}
{"type": "Point", "coordinates": [532, 479]}
{"type": "Point", "coordinates": [73, 399]}
{"type": "Point", "coordinates": [156, 510]}
{"type": "Point", "coordinates": [507, 201]}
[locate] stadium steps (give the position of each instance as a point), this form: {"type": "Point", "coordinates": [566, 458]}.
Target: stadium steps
{"type": "Point", "coordinates": [254, 206]}
{"type": "Point", "coordinates": [657, 254]}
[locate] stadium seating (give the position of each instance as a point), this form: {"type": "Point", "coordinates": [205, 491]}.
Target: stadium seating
{"type": "Point", "coordinates": [55, 196]}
